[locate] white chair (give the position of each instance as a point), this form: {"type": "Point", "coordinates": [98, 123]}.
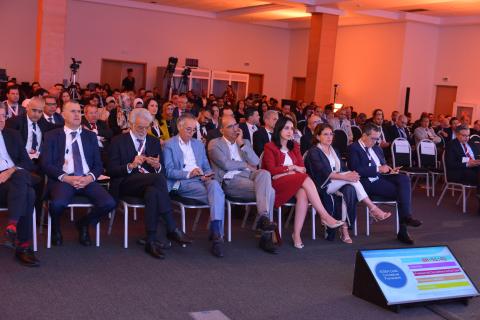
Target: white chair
{"type": "Point", "coordinates": [127, 203]}
{"type": "Point", "coordinates": [187, 203]}
{"type": "Point", "coordinates": [34, 226]}
{"type": "Point", "coordinates": [77, 202]}
{"type": "Point", "coordinates": [427, 159]}
{"type": "Point", "coordinates": [238, 202]}
{"type": "Point", "coordinates": [455, 186]}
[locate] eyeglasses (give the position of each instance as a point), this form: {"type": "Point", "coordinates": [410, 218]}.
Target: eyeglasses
{"type": "Point", "coordinates": [190, 130]}
{"type": "Point", "coordinates": [374, 139]}
{"type": "Point", "coordinates": [235, 125]}
{"type": "Point", "coordinates": [51, 104]}
{"type": "Point", "coordinates": [328, 134]}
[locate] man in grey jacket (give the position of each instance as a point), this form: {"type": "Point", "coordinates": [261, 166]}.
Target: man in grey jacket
{"type": "Point", "coordinates": [235, 165]}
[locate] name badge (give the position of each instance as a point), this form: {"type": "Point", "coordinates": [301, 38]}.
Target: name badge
{"type": "Point", "coordinates": [465, 159]}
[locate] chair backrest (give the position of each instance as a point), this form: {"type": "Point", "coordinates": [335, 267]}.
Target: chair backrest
{"type": "Point", "coordinates": [260, 161]}
{"type": "Point", "coordinates": [357, 133]}
{"type": "Point", "coordinates": [401, 153]}
{"type": "Point", "coordinates": [340, 141]}
{"type": "Point", "coordinates": [427, 154]}
{"type": "Point", "coordinates": [444, 168]}
{"type": "Point", "coordinates": [475, 138]}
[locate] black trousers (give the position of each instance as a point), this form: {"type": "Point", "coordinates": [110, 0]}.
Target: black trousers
{"type": "Point", "coordinates": [18, 196]}
{"type": "Point", "coordinates": [152, 188]}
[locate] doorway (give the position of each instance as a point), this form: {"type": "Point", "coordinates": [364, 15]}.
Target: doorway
{"type": "Point", "coordinates": [444, 99]}
{"type": "Point", "coordinates": [114, 71]}
{"type": "Point", "coordinates": [255, 82]}
{"type": "Point", "coordinates": [298, 88]}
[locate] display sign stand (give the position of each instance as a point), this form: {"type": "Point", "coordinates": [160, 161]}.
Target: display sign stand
{"type": "Point", "coordinates": [365, 286]}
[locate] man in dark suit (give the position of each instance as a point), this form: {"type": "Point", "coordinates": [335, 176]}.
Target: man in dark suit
{"type": "Point", "coordinates": [251, 124]}
{"type": "Point", "coordinates": [71, 159]}
{"type": "Point", "coordinates": [91, 122]}
{"type": "Point", "coordinates": [399, 129]}
{"type": "Point", "coordinates": [16, 192]}
{"type": "Point", "coordinates": [379, 179]}
{"type": "Point", "coordinates": [136, 169]}
{"type": "Point", "coordinates": [448, 134]}
{"type": "Point", "coordinates": [50, 114]}
{"type": "Point", "coordinates": [307, 138]}
{"type": "Point", "coordinates": [264, 134]}
{"type": "Point", "coordinates": [12, 106]}
{"type": "Point", "coordinates": [462, 159]}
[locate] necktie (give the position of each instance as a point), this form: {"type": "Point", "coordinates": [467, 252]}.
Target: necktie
{"type": "Point", "coordinates": [34, 137]}
{"type": "Point", "coordinates": [341, 121]}
{"type": "Point", "coordinates": [402, 133]}
{"type": "Point", "coordinates": [140, 149]}
{"type": "Point", "coordinates": [367, 150]}
{"type": "Point", "coordinates": [269, 135]}
{"type": "Point", "coordinates": [93, 125]}
{"type": "Point", "coordinates": [50, 119]}
{"type": "Point", "coordinates": [77, 158]}
{"type": "Point", "coordinates": [466, 151]}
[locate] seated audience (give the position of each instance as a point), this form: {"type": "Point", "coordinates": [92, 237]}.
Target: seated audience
{"type": "Point", "coordinates": [91, 122]}
{"type": "Point", "coordinates": [71, 159]}
{"type": "Point", "coordinates": [306, 141]}
{"type": "Point", "coordinates": [158, 127]}
{"type": "Point", "coordinates": [283, 160]}
{"type": "Point", "coordinates": [50, 114]}
{"type": "Point", "coordinates": [425, 132]}
{"type": "Point", "coordinates": [11, 104]}
{"type": "Point", "coordinates": [476, 128]}
{"type": "Point", "coordinates": [16, 193]}
{"type": "Point", "coordinates": [118, 119]}
{"type": "Point", "coordinates": [251, 123]}
{"type": "Point", "coordinates": [135, 167]}
{"type": "Point", "coordinates": [340, 122]}
{"type": "Point", "coordinates": [167, 115]}
{"type": "Point", "coordinates": [240, 115]}
{"type": "Point", "coordinates": [399, 129]}
{"type": "Point", "coordinates": [189, 175]}
{"type": "Point", "coordinates": [380, 180]}
{"type": "Point", "coordinates": [235, 165]}
{"type": "Point", "coordinates": [264, 134]}
{"type": "Point", "coordinates": [204, 125]}
{"type": "Point", "coordinates": [448, 134]}
{"type": "Point", "coordinates": [331, 176]}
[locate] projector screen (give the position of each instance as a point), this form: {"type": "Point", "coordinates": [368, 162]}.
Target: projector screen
{"type": "Point", "coordinates": [418, 274]}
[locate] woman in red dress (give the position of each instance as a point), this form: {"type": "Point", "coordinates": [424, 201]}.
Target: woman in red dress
{"type": "Point", "coordinates": [282, 158]}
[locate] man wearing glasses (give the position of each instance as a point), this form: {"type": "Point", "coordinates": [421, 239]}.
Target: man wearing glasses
{"type": "Point", "coordinates": [50, 116]}
{"type": "Point", "coordinates": [235, 165]}
{"type": "Point", "coordinates": [381, 180]}
{"type": "Point", "coordinates": [189, 175]}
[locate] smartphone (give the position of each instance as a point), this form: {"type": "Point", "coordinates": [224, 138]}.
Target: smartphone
{"type": "Point", "coordinates": [209, 174]}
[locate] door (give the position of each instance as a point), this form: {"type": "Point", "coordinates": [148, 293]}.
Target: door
{"type": "Point", "coordinates": [298, 88]}
{"type": "Point", "coordinates": [444, 99]}
{"type": "Point", "coordinates": [255, 83]}
{"type": "Point", "coordinates": [113, 72]}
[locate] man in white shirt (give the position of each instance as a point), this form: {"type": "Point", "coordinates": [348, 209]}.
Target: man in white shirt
{"type": "Point", "coordinates": [12, 105]}
{"type": "Point", "coordinates": [251, 125]}
{"type": "Point", "coordinates": [340, 122]}
{"type": "Point", "coordinates": [189, 175]}
{"type": "Point", "coordinates": [235, 165]}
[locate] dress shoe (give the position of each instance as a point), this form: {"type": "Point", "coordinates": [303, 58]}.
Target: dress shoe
{"type": "Point", "coordinates": [218, 247]}
{"type": "Point", "coordinates": [409, 221]}
{"type": "Point", "coordinates": [265, 224]}
{"type": "Point", "coordinates": [83, 235]}
{"type": "Point", "coordinates": [153, 250]}
{"type": "Point", "coordinates": [178, 236]}
{"type": "Point", "coordinates": [26, 257]}
{"type": "Point", "coordinates": [404, 237]}
{"type": "Point", "coordinates": [57, 238]}
{"type": "Point", "coordinates": [160, 244]}
{"type": "Point", "coordinates": [266, 243]}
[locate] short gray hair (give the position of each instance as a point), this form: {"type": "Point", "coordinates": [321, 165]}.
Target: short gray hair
{"type": "Point", "coordinates": [181, 120]}
{"type": "Point", "coordinates": [269, 113]}
{"type": "Point", "coordinates": [140, 113]}
{"type": "Point", "coordinates": [461, 127]}
{"type": "Point", "coordinates": [36, 100]}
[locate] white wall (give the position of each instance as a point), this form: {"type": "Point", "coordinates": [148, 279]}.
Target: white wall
{"type": "Point", "coordinates": [18, 38]}
{"type": "Point", "coordinates": [96, 31]}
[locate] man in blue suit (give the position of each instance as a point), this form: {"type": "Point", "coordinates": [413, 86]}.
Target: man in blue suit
{"type": "Point", "coordinates": [380, 180]}
{"type": "Point", "coordinates": [189, 175]}
{"type": "Point", "coordinates": [71, 159]}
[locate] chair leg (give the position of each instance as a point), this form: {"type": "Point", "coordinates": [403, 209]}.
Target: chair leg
{"type": "Point", "coordinates": [290, 214]}
{"type": "Point", "coordinates": [49, 232]}
{"type": "Point", "coordinates": [110, 223]}
{"type": "Point", "coordinates": [245, 216]}
{"type": "Point", "coordinates": [134, 214]}
{"type": "Point", "coordinates": [71, 214]}
{"type": "Point", "coordinates": [42, 217]}
{"type": "Point", "coordinates": [197, 218]}
{"type": "Point", "coordinates": [355, 230]}
{"type": "Point", "coordinates": [428, 185]}
{"type": "Point", "coordinates": [314, 233]}
{"type": "Point", "coordinates": [464, 203]}
{"type": "Point", "coordinates": [34, 218]}
{"type": "Point", "coordinates": [97, 240]}
{"type": "Point", "coordinates": [254, 225]}
{"type": "Point", "coordinates": [229, 223]}
{"type": "Point", "coordinates": [433, 185]}
{"type": "Point", "coordinates": [280, 221]}
{"type": "Point", "coordinates": [182, 211]}
{"type": "Point", "coordinates": [125, 225]}
{"type": "Point", "coordinates": [442, 194]}
{"type": "Point", "coordinates": [367, 211]}
{"type": "Point", "coordinates": [397, 222]}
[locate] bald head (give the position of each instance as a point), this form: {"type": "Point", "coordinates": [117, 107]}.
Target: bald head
{"type": "Point", "coordinates": [229, 128]}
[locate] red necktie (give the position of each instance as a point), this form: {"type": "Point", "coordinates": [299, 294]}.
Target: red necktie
{"type": "Point", "coordinates": [94, 126]}
{"type": "Point", "coordinates": [466, 150]}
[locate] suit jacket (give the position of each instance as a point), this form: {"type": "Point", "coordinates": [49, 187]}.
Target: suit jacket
{"type": "Point", "coordinates": [260, 138]}
{"type": "Point", "coordinates": [20, 123]}
{"type": "Point", "coordinates": [358, 161]}
{"type": "Point", "coordinates": [306, 140]}
{"type": "Point", "coordinates": [454, 155]}
{"type": "Point", "coordinates": [448, 131]}
{"type": "Point", "coordinates": [392, 133]}
{"type": "Point", "coordinates": [420, 134]}
{"type": "Point", "coordinates": [121, 152]}
{"type": "Point", "coordinates": [102, 128]}
{"type": "Point", "coordinates": [59, 122]}
{"type": "Point", "coordinates": [174, 160]}
{"type": "Point", "coordinates": [221, 159]}
{"type": "Point", "coordinates": [246, 132]}
{"type": "Point", "coordinates": [52, 154]}
{"type": "Point", "coordinates": [273, 158]}
{"type": "Point", "coordinates": [21, 110]}
{"type": "Point", "coordinates": [345, 126]}
{"type": "Point", "coordinates": [16, 149]}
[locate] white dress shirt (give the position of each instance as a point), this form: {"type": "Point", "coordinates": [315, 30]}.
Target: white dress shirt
{"type": "Point", "coordinates": [235, 155]}
{"type": "Point", "coordinates": [5, 161]}
{"type": "Point", "coordinates": [137, 145]}
{"type": "Point", "coordinates": [47, 117]}
{"type": "Point", "coordinates": [251, 129]}
{"type": "Point", "coordinates": [68, 167]}
{"type": "Point", "coordinates": [371, 156]}
{"type": "Point", "coordinates": [288, 161]}
{"type": "Point", "coordinates": [38, 132]}
{"type": "Point", "coordinates": [12, 109]}
{"type": "Point", "coordinates": [189, 162]}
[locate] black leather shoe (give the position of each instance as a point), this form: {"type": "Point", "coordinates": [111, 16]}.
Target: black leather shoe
{"type": "Point", "coordinates": [158, 243]}
{"type": "Point", "coordinates": [57, 238]}
{"type": "Point", "coordinates": [265, 224]}
{"type": "Point", "coordinates": [83, 235]}
{"type": "Point", "coordinates": [404, 237]}
{"type": "Point", "coordinates": [153, 250]}
{"type": "Point", "coordinates": [26, 257]}
{"type": "Point", "coordinates": [266, 243]}
{"type": "Point", "coordinates": [218, 247]}
{"type": "Point", "coordinates": [10, 237]}
{"type": "Point", "coordinates": [178, 236]}
{"type": "Point", "coordinates": [409, 221]}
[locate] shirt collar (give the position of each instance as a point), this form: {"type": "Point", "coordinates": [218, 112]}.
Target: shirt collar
{"type": "Point", "coordinates": [228, 142]}
{"type": "Point", "coordinates": [135, 138]}
{"type": "Point", "coordinates": [182, 143]}
{"type": "Point", "coordinates": [68, 131]}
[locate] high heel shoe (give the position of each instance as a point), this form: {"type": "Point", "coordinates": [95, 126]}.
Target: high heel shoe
{"type": "Point", "coordinates": [297, 245]}
{"type": "Point", "coordinates": [333, 226]}
{"type": "Point", "coordinates": [379, 216]}
{"type": "Point", "coordinates": [344, 236]}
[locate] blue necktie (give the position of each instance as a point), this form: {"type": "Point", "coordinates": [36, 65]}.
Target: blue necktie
{"type": "Point", "coordinates": [34, 137]}
{"type": "Point", "coordinates": [77, 158]}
